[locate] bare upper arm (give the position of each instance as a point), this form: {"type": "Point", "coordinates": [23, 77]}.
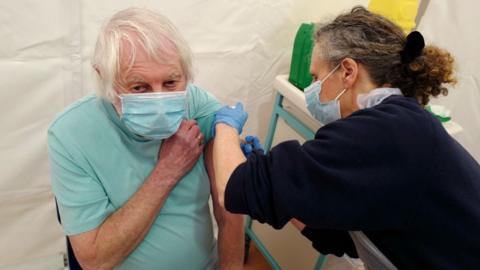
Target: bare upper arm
{"type": "Point", "coordinates": [208, 158]}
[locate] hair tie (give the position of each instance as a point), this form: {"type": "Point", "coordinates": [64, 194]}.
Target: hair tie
{"type": "Point", "coordinates": [413, 47]}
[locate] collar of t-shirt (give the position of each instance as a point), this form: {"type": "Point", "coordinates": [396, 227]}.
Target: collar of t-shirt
{"type": "Point", "coordinates": [376, 96]}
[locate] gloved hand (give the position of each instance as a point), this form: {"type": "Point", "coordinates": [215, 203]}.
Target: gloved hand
{"type": "Point", "coordinates": [233, 116]}
{"type": "Point", "coordinates": [252, 143]}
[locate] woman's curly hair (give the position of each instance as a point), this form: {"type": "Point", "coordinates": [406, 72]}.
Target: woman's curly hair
{"type": "Point", "coordinates": [377, 43]}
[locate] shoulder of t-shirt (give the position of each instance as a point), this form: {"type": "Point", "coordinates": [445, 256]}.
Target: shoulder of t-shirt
{"type": "Point", "coordinates": [74, 112]}
{"type": "Point", "coordinates": [202, 103]}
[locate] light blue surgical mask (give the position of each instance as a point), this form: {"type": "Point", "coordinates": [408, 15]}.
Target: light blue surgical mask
{"type": "Point", "coordinates": [324, 112]}
{"type": "Point", "coordinates": [156, 115]}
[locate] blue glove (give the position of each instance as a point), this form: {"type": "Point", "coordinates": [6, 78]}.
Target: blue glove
{"type": "Point", "coordinates": [252, 144]}
{"type": "Point", "coordinates": [232, 116]}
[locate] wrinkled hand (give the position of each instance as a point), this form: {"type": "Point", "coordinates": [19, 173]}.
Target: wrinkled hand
{"type": "Point", "coordinates": [233, 116]}
{"type": "Point", "coordinates": [252, 143]}
{"type": "Point", "coordinates": [179, 153]}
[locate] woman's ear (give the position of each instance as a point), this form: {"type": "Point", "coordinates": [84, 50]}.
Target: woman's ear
{"type": "Point", "coordinates": [350, 72]}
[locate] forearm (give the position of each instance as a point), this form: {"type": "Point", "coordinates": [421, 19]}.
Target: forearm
{"type": "Point", "coordinates": [124, 230]}
{"type": "Point", "coordinates": [231, 242]}
{"type": "Point", "coordinates": [227, 156]}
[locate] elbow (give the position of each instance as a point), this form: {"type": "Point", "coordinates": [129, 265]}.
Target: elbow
{"type": "Point", "coordinates": [91, 260]}
{"type": "Point", "coordinates": [88, 260]}
{"type": "Point", "coordinates": [95, 264]}
{"type": "Point", "coordinates": [219, 210]}
{"type": "Point", "coordinates": [226, 219]}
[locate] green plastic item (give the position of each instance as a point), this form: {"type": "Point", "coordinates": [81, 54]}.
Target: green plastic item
{"type": "Point", "coordinates": [439, 116]}
{"type": "Point", "coordinates": [302, 51]}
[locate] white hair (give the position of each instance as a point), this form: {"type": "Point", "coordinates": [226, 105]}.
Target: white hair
{"type": "Point", "coordinates": [139, 27]}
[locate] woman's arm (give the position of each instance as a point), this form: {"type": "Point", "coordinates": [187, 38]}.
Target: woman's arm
{"type": "Point", "coordinates": [351, 167]}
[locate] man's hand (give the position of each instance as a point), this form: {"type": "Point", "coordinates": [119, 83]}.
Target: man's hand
{"type": "Point", "coordinates": [179, 153]}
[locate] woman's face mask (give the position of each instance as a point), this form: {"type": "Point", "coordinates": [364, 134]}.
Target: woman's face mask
{"type": "Point", "coordinates": [324, 112]}
{"type": "Point", "coordinates": [156, 115]}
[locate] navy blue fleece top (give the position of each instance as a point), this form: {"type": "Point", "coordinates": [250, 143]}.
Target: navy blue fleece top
{"type": "Point", "coordinates": [391, 171]}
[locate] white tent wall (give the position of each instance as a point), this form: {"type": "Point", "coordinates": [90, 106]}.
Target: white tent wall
{"type": "Point", "coordinates": [453, 25]}
{"type": "Point", "coordinates": [239, 47]}
{"type": "Point", "coordinates": [36, 62]}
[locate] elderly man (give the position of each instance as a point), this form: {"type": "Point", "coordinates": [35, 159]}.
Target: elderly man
{"type": "Point", "coordinates": [127, 166]}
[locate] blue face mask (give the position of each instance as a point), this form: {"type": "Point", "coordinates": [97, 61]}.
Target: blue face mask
{"type": "Point", "coordinates": [155, 115]}
{"type": "Point", "coordinates": [324, 112]}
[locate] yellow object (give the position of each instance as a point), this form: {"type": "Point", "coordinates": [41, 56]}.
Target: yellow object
{"type": "Point", "coordinates": [402, 12]}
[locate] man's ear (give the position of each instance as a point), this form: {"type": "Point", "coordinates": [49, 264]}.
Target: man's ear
{"type": "Point", "coordinates": [350, 72]}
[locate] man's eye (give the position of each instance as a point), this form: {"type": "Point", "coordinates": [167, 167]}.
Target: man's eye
{"type": "Point", "coordinates": [170, 84]}
{"type": "Point", "coordinates": [140, 88]}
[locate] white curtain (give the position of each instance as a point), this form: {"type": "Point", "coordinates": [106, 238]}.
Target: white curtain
{"type": "Point", "coordinates": [453, 25]}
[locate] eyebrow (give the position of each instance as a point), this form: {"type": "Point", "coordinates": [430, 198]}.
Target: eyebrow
{"type": "Point", "coordinates": [134, 79]}
{"type": "Point", "coordinates": [174, 76]}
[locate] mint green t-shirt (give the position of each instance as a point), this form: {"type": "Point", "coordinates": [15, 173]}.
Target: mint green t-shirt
{"type": "Point", "coordinates": [97, 164]}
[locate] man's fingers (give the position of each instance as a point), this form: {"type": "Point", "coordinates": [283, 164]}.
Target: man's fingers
{"type": "Point", "coordinates": [199, 138]}
{"type": "Point", "coordinates": [187, 125]}
{"type": "Point", "coordinates": [192, 124]}
{"type": "Point", "coordinates": [194, 131]}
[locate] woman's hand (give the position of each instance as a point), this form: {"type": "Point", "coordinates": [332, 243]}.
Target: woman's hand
{"type": "Point", "coordinates": [299, 225]}
{"type": "Point", "coordinates": [251, 144]}
{"type": "Point", "coordinates": [234, 116]}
